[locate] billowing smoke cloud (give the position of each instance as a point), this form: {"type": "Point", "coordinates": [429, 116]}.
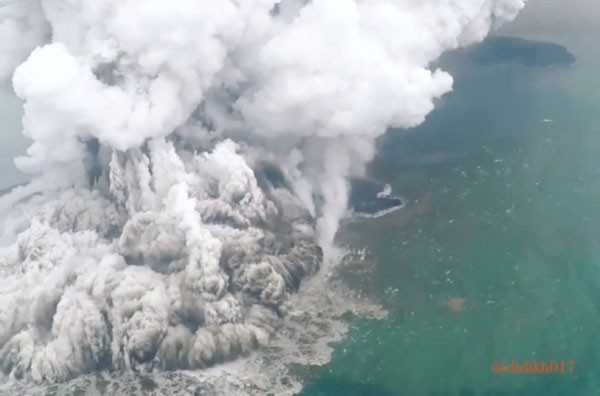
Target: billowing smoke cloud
{"type": "Point", "coordinates": [189, 161]}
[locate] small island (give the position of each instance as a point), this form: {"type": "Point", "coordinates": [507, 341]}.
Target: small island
{"type": "Point", "coordinates": [371, 199]}
{"type": "Point", "coordinates": [519, 51]}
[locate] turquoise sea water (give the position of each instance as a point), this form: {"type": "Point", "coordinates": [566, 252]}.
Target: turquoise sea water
{"type": "Point", "coordinates": [503, 189]}
{"type": "Point", "coordinates": [501, 218]}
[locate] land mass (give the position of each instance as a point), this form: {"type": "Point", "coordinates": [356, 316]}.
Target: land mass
{"type": "Point", "coordinates": [366, 199]}
{"type": "Point", "coordinates": [515, 50]}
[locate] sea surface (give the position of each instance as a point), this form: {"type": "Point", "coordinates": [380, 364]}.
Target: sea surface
{"type": "Point", "coordinates": [495, 256]}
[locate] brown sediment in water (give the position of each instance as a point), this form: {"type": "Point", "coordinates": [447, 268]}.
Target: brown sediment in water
{"type": "Point", "coordinates": [455, 304]}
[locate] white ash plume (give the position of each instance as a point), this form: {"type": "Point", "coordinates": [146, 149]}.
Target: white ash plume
{"type": "Point", "coordinates": [180, 269]}
{"type": "Point", "coordinates": [149, 236]}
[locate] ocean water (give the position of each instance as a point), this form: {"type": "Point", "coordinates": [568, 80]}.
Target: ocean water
{"type": "Point", "coordinates": [496, 256]}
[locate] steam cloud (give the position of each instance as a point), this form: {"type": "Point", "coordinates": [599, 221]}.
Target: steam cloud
{"type": "Point", "coordinates": [189, 161]}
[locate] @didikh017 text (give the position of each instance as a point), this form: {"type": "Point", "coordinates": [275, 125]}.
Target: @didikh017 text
{"type": "Point", "coordinates": [534, 367]}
